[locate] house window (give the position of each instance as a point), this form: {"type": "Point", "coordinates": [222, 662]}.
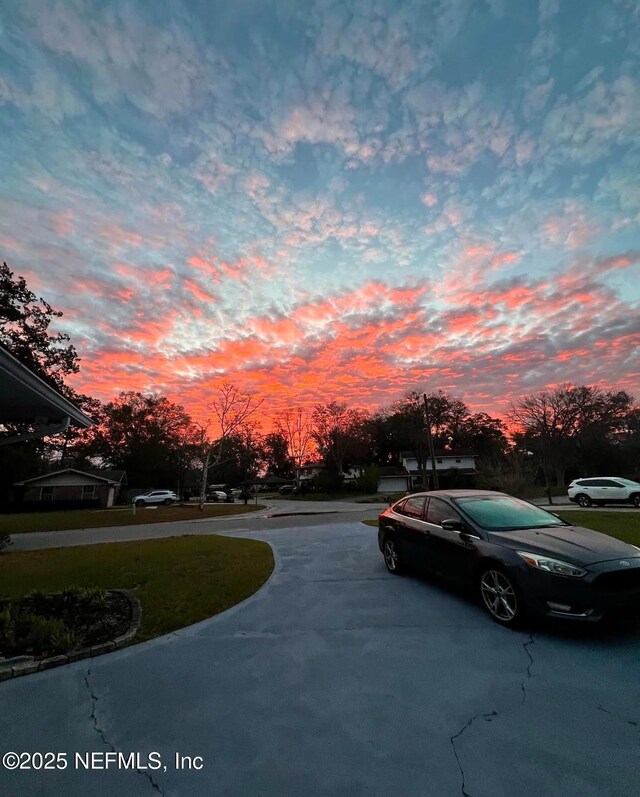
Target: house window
{"type": "Point", "coordinates": [88, 491]}
{"type": "Point", "coordinates": [46, 493]}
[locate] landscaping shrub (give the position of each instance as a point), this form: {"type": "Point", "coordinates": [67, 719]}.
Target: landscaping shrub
{"type": "Point", "coordinates": [45, 625]}
{"type": "Point", "coordinates": [369, 480]}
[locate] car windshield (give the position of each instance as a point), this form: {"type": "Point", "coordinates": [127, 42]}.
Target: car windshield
{"type": "Point", "coordinates": [504, 513]}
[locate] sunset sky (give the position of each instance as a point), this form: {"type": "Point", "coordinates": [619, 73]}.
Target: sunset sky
{"type": "Point", "coordinates": [330, 200]}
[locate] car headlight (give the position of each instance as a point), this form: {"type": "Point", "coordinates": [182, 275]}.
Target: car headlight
{"type": "Point", "coordinates": [542, 562]}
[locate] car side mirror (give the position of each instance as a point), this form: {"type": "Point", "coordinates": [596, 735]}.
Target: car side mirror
{"type": "Point", "coordinates": [453, 524]}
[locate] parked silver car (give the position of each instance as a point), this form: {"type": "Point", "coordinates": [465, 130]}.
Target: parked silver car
{"type": "Point", "coordinates": [156, 497]}
{"type": "Point", "coordinates": [217, 496]}
{"type": "Point", "coordinates": [603, 490]}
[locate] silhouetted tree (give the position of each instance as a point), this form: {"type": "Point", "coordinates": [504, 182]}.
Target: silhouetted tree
{"type": "Point", "coordinates": [296, 426]}
{"type": "Point", "coordinates": [24, 331]}
{"type": "Point", "coordinates": [569, 425]}
{"type": "Point", "coordinates": [275, 455]}
{"type": "Point", "coordinates": [231, 409]}
{"type": "Point", "coordinates": [150, 437]}
{"type": "Point", "coordinates": [341, 434]}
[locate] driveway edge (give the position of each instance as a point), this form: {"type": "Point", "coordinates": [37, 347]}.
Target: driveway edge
{"type": "Point", "coordinates": [28, 667]}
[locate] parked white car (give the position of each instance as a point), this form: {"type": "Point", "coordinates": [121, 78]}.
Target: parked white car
{"type": "Point", "coordinates": [155, 497]}
{"type": "Point", "coordinates": [219, 495]}
{"type": "Point", "coordinates": [603, 490]}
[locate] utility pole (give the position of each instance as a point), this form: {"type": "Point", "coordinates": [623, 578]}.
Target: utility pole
{"type": "Point", "coordinates": [434, 470]}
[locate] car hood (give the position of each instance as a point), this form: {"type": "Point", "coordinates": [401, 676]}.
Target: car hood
{"type": "Point", "coordinates": [573, 544]}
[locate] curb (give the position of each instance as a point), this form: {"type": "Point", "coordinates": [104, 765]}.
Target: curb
{"type": "Point", "coordinates": [28, 667]}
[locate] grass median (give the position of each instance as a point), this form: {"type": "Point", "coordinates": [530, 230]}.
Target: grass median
{"type": "Point", "coordinates": [623, 525]}
{"type": "Point", "coordinates": [178, 581]}
{"type": "Point", "coordinates": [22, 523]}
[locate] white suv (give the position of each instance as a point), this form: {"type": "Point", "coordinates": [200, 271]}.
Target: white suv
{"type": "Point", "coordinates": [155, 497]}
{"type": "Point", "coordinates": [604, 490]}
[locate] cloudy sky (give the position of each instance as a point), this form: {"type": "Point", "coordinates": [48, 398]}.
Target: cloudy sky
{"type": "Point", "coordinates": [328, 200]}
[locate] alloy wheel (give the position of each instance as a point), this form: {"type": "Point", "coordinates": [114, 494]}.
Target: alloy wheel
{"type": "Point", "coordinates": [391, 555]}
{"type": "Point", "coordinates": [499, 596]}
{"type": "Point", "coordinates": [584, 500]}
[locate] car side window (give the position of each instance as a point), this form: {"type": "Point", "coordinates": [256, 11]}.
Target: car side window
{"type": "Point", "coordinates": [588, 483]}
{"type": "Point", "coordinates": [412, 507]}
{"type": "Point", "coordinates": [610, 483]}
{"type": "Point", "coordinates": [438, 510]}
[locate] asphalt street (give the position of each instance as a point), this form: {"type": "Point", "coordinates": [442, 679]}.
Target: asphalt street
{"type": "Point", "coordinates": [279, 513]}
{"type": "Point", "coordinates": [337, 678]}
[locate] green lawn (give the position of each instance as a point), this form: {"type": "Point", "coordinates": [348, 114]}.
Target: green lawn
{"type": "Point", "coordinates": [623, 525]}
{"type": "Point", "coordinates": [179, 580]}
{"type": "Point", "coordinates": [20, 523]}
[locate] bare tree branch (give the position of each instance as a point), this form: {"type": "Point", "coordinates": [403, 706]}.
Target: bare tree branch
{"type": "Point", "coordinates": [232, 408]}
{"type": "Point", "coordinates": [295, 425]}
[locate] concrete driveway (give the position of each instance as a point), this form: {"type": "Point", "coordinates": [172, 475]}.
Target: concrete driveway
{"type": "Point", "coordinates": [339, 679]}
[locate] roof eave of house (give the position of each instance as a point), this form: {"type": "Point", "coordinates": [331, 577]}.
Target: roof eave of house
{"type": "Point", "coordinates": [64, 470]}
{"type": "Point", "coordinates": [20, 382]}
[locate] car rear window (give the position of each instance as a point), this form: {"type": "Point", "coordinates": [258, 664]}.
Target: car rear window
{"type": "Point", "coordinates": [412, 507]}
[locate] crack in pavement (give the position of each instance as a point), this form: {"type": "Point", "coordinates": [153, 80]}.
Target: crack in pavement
{"type": "Point", "coordinates": [525, 645]}
{"type": "Point", "coordinates": [629, 722]}
{"type": "Point", "coordinates": [487, 718]}
{"type": "Point", "coordinates": [94, 717]}
{"type": "Point", "coordinates": [101, 733]}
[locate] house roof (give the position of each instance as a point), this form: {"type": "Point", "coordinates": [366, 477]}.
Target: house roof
{"type": "Point", "coordinates": [119, 476]}
{"type": "Point", "coordinates": [45, 476]}
{"type": "Point", "coordinates": [24, 397]}
{"type": "Point", "coordinates": [440, 454]}
{"type": "Point", "coordinates": [272, 480]}
{"type": "Point", "coordinates": [461, 471]}
{"type": "Point", "coordinates": [392, 470]}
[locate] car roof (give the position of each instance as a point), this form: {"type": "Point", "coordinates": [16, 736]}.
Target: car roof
{"type": "Point", "coordinates": [619, 478]}
{"type": "Point", "coordinates": [459, 493]}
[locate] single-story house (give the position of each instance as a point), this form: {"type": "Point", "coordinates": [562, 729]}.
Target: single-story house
{"type": "Point", "coordinates": [70, 486]}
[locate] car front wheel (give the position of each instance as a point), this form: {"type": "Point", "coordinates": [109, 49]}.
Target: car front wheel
{"type": "Point", "coordinates": [500, 596]}
{"type": "Point", "coordinates": [584, 500]}
{"type": "Point", "coordinates": [392, 557]}
{"type": "Point", "coordinates": [140, 502]}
